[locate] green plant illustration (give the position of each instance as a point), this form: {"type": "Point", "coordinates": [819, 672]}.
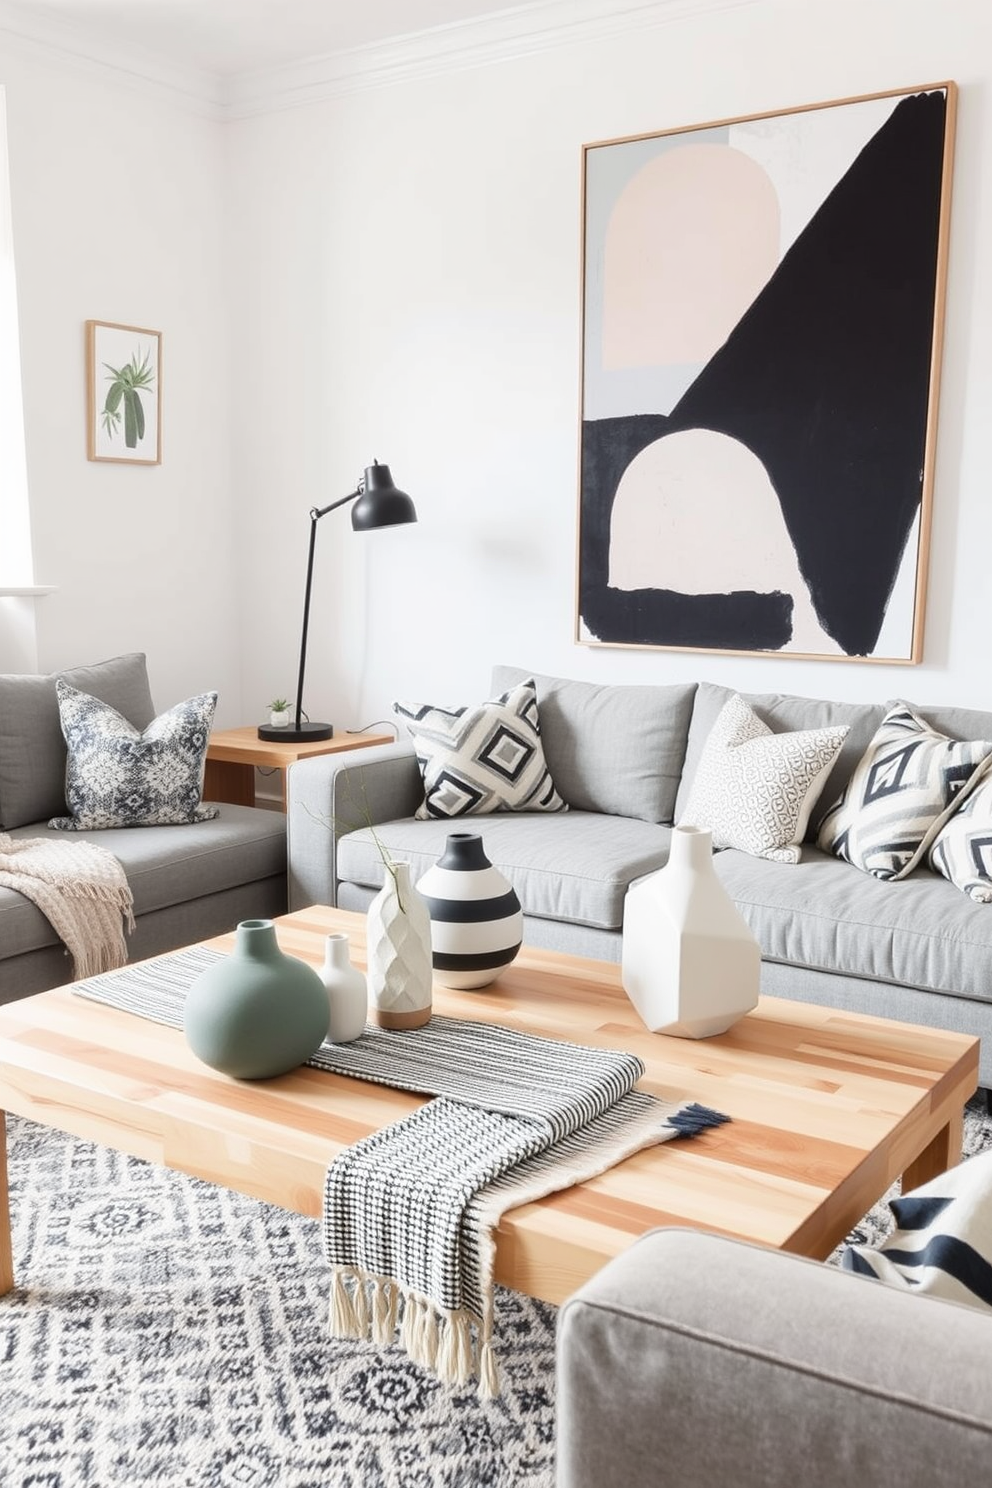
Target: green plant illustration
{"type": "Point", "coordinates": [127, 383]}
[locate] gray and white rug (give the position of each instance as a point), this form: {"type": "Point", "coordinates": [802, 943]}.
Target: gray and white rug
{"type": "Point", "coordinates": [169, 1334]}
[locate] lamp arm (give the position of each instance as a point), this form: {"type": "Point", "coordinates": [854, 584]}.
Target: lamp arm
{"type": "Point", "coordinates": [315, 515]}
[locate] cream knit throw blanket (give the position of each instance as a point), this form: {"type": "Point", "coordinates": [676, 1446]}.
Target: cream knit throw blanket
{"type": "Point", "coordinates": [81, 889]}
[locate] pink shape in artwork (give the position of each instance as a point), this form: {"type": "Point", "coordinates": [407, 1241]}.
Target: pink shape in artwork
{"type": "Point", "coordinates": [692, 239]}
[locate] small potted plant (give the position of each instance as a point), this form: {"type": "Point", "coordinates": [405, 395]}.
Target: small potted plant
{"type": "Point", "coordinates": [279, 713]}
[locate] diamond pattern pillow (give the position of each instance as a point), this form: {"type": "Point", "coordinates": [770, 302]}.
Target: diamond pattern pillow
{"type": "Point", "coordinates": [905, 787]}
{"type": "Point", "coordinates": [117, 776]}
{"type": "Point", "coordinates": [962, 849]}
{"type": "Point", "coordinates": [755, 789]}
{"type": "Point", "coordinates": [483, 759]}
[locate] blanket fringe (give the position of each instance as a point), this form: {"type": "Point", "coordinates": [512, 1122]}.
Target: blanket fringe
{"type": "Point", "coordinates": [455, 1345]}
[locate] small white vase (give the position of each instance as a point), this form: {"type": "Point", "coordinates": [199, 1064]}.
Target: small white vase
{"type": "Point", "coordinates": [398, 940]}
{"type": "Point", "coordinates": [690, 964]}
{"type": "Point", "coordinates": [347, 991]}
{"type": "Point", "coordinates": [279, 718]}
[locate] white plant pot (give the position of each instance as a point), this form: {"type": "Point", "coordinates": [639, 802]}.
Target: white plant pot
{"type": "Point", "coordinates": [279, 718]}
{"type": "Point", "coordinates": [398, 941]}
{"type": "Point", "coordinates": [347, 991]}
{"type": "Point", "coordinates": [690, 964]}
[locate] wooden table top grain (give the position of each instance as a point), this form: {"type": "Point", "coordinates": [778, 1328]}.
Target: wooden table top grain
{"type": "Point", "coordinates": [828, 1108]}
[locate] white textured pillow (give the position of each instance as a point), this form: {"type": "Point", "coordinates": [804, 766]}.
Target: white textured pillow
{"type": "Point", "coordinates": [906, 785]}
{"type": "Point", "coordinates": [755, 789]}
{"type": "Point", "coordinates": [962, 849]}
{"type": "Point", "coordinates": [482, 759]}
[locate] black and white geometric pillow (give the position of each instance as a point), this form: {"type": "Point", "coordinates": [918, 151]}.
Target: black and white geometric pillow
{"type": "Point", "coordinates": [942, 1245]}
{"type": "Point", "coordinates": [117, 776]}
{"type": "Point", "coordinates": [907, 784]}
{"type": "Point", "coordinates": [482, 759]}
{"type": "Point", "coordinates": [962, 849]}
{"type": "Point", "coordinates": [755, 789]}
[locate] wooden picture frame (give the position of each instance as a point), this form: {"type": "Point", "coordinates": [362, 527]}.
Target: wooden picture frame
{"type": "Point", "coordinates": [762, 314]}
{"type": "Point", "coordinates": [123, 393]}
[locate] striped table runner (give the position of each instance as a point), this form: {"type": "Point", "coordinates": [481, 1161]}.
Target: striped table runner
{"type": "Point", "coordinates": [410, 1211]}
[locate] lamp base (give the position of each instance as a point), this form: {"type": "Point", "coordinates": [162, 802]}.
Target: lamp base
{"type": "Point", "coordinates": [307, 733]}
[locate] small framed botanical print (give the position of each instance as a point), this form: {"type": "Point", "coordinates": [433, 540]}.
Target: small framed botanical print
{"type": "Point", "coordinates": [123, 393]}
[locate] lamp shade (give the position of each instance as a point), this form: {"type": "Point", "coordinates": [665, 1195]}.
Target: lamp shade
{"type": "Point", "coordinates": [381, 504]}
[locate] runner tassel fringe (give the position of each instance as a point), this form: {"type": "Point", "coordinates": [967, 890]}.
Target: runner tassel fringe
{"type": "Point", "coordinates": [455, 1345]}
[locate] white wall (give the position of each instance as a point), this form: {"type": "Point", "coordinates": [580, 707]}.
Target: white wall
{"type": "Point", "coordinates": [407, 271]}
{"type": "Point", "coordinates": [117, 205]}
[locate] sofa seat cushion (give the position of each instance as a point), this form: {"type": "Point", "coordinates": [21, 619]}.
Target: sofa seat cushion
{"type": "Point", "coordinates": [574, 867]}
{"type": "Point", "coordinates": [823, 914]}
{"type": "Point", "coordinates": [164, 866]}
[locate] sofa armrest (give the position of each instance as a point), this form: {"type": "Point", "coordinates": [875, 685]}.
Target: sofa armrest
{"type": "Point", "coordinates": [693, 1360]}
{"type": "Point", "coordinates": [331, 794]}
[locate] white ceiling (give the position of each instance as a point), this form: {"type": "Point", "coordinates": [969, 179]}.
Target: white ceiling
{"type": "Point", "coordinates": [228, 37]}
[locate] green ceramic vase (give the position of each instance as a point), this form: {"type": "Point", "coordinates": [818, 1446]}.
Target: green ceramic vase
{"type": "Point", "coordinates": [258, 1012]}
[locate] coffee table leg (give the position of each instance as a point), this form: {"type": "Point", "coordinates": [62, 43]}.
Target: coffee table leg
{"type": "Point", "coordinates": [942, 1153]}
{"type": "Point", "coordinates": [6, 1255]}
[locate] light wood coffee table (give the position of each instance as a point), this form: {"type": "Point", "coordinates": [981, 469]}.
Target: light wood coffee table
{"type": "Point", "coordinates": [828, 1109]}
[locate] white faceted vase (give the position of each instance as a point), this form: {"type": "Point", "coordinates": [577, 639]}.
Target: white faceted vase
{"type": "Point", "coordinates": [690, 964]}
{"type": "Point", "coordinates": [398, 945]}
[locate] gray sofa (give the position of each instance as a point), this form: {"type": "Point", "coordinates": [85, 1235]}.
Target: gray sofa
{"type": "Point", "coordinates": [188, 882]}
{"type": "Point", "coordinates": [623, 758]}
{"type": "Point", "coordinates": [693, 1359]}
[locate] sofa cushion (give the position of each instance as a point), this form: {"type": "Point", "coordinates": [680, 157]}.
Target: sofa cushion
{"type": "Point", "coordinates": [32, 749]}
{"type": "Point", "coordinates": [481, 759]}
{"type": "Point", "coordinates": [614, 749]}
{"type": "Point", "coordinates": [120, 776]}
{"type": "Point", "coordinates": [755, 788]}
{"type": "Point", "coordinates": [942, 1243]}
{"type": "Point", "coordinates": [909, 781]}
{"type": "Point", "coordinates": [782, 713]}
{"type": "Point", "coordinates": [824, 915]}
{"type": "Point", "coordinates": [165, 866]}
{"type": "Point", "coordinates": [962, 849]}
{"type": "Point", "coordinates": [575, 867]}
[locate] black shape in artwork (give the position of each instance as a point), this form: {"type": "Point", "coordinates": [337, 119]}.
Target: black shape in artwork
{"type": "Point", "coordinates": [826, 379]}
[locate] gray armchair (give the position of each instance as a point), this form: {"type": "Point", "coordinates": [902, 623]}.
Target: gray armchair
{"type": "Point", "coordinates": [693, 1361]}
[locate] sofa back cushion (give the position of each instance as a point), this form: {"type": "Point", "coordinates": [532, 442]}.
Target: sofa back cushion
{"type": "Point", "coordinates": [32, 749]}
{"type": "Point", "coordinates": [783, 713]}
{"type": "Point", "coordinates": [612, 749]}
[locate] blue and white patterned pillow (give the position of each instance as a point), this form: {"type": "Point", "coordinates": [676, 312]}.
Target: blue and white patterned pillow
{"type": "Point", "coordinates": [117, 776]}
{"type": "Point", "coordinates": [942, 1244]}
{"type": "Point", "coordinates": [907, 784]}
{"type": "Point", "coordinates": [482, 759]}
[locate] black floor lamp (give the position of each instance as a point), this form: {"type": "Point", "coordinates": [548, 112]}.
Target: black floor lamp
{"type": "Point", "coordinates": [378, 503]}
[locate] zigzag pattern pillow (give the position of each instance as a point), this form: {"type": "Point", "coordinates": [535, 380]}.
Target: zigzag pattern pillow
{"type": "Point", "coordinates": [117, 776]}
{"type": "Point", "coordinates": [962, 849]}
{"type": "Point", "coordinates": [943, 1241]}
{"type": "Point", "coordinates": [908, 782]}
{"type": "Point", "coordinates": [483, 759]}
{"type": "Point", "coordinates": [755, 789]}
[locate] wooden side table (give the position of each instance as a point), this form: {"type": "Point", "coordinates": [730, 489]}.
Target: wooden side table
{"type": "Point", "coordinates": [233, 754]}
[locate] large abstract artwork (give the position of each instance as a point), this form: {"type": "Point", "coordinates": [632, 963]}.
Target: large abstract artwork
{"type": "Point", "coordinates": [762, 306]}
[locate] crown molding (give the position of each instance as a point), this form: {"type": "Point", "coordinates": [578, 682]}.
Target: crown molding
{"type": "Point", "coordinates": [63, 44]}
{"type": "Point", "coordinates": [500, 37]}
{"type": "Point", "coordinates": [520, 31]}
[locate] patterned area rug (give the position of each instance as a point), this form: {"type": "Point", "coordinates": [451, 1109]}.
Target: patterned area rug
{"type": "Point", "coordinates": [167, 1333]}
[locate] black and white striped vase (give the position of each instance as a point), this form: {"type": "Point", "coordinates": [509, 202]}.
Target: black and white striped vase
{"type": "Point", "coordinates": [476, 921]}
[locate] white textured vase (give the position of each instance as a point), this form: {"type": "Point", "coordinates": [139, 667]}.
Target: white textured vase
{"type": "Point", "coordinates": [690, 964]}
{"type": "Point", "coordinates": [398, 932]}
{"type": "Point", "coordinates": [347, 991]}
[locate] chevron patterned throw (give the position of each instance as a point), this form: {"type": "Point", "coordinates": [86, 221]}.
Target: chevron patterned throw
{"type": "Point", "coordinates": [409, 1212]}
